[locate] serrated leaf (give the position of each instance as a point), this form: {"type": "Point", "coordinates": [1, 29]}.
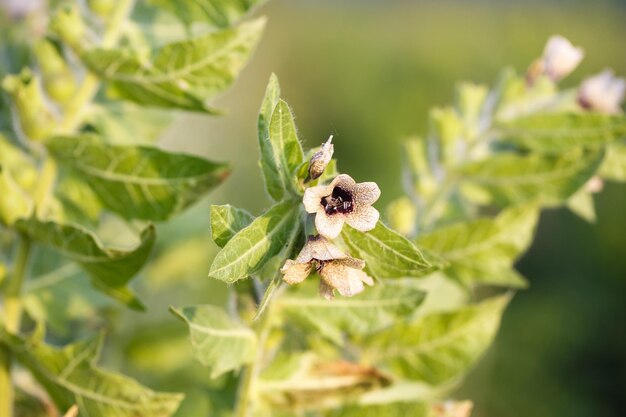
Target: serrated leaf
{"type": "Point", "coordinates": [613, 166]}
{"type": "Point", "coordinates": [560, 132]}
{"type": "Point", "coordinates": [582, 205]}
{"type": "Point", "coordinates": [226, 222]}
{"type": "Point", "coordinates": [138, 182]}
{"type": "Point", "coordinates": [482, 251]}
{"type": "Point", "coordinates": [218, 13]}
{"type": "Point", "coordinates": [181, 75]}
{"type": "Point", "coordinates": [218, 341]}
{"type": "Point", "coordinates": [387, 254]}
{"type": "Point", "coordinates": [507, 179]}
{"type": "Point", "coordinates": [256, 244]}
{"type": "Point", "coordinates": [281, 152]}
{"type": "Point", "coordinates": [364, 313]}
{"type": "Point", "coordinates": [110, 269]}
{"type": "Point", "coordinates": [437, 348]}
{"type": "Point", "coordinates": [70, 376]}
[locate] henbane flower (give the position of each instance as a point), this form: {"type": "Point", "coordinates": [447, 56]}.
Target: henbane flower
{"type": "Point", "coordinates": [603, 93]}
{"type": "Point", "coordinates": [337, 270]}
{"type": "Point", "coordinates": [559, 59]}
{"type": "Point", "coordinates": [343, 200]}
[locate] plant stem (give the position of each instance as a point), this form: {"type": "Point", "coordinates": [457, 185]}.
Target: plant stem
{"type": "Point", "coordinates": [91, 83]}
{"type": "Point", "coordinates": [12, 319]}
{"type": "Point", "coordinates": [246, 399]}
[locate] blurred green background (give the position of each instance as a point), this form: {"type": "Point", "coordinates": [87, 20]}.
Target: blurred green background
{"type": "Point", "coordinates": [367, 72]}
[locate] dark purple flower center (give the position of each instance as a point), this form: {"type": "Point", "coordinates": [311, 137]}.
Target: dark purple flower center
{"type": "Point", "coordinates": [340, 201]}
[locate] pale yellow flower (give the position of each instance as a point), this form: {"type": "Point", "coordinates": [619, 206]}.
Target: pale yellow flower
{"type": "Point", "coordinates": [343, 200]}
{"type": "Point", "coordinates": [337, 270]}
{"type": "Point", "coordinates": [603, 93]}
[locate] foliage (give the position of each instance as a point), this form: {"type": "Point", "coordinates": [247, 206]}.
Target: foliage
{"type": "Point", "coordinates": [75, 167]}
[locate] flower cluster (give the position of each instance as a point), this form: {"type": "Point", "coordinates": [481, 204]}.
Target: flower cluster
{"type": "Point", "coordinates": [341, 201]}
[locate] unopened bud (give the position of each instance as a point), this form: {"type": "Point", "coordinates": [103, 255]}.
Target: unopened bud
{"type": "Point", "coordinates": [320, 160]}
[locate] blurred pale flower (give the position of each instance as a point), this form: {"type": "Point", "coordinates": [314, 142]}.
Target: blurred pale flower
{"type": "Point", "coordinates": [343, 200]}
{"type": "Point", "coordinates": [320, 160]}
{"type": "Point", "coordinates": [603, 92]}
{"type": "Point", "coordinates": [18, 9]}
{"type": "Point", "coordinates": [338, 271]}
{"type": "Point", "coordinates": [594, 185]}
{"type": "Point", "coordinates": [559, 59]}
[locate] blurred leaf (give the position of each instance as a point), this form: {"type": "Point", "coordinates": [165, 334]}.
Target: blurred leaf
{"type": "Point", "coordinates": [482, 251]}
{"type": "Point", "coordinates": [181, 75]}
{"type": "Point", "coordinates": [127, 124]}
{"type": "Point", "coordinates": [110, 269]}
{"type": "Point", "coordinates": [256, 244]}
{"type": "Point", "coordinates": [21, 167]}
{"type": "Point", "coordinates": [561, 132]}
{"type": "Point", "coordinates": [281, 152]}
{"type": "Point", "coordinates": [387, 410]}
{"type": "Point", "coordinates": [440, 347]}
{"type": "Point", "coordinates": [387, 254]}
{"type": "Point", "coordinates": [14, 202]}
{"type": "Point", "coordinates": [581, 204]}
{"type": "Point", "coordinates": [226, 222]}
{"type": "Point", "coordinates": [614, 164]}
{"type": "Point", "coordinates": [138, 182]}
{"type": "Point", "coordinates": [509, 179]}
{"type": "Point", "coordinates": [364, 313]}
{"type": "Point", "coordinates": [71, 377]}
{"type": "Point", "coordinates": [76, 202]}
{"type": "Point", "coordinates": [219, 13]}
{"type": "Point", "coordinates": [218, 341]}
{"type": "Point", "coordinates": [62, 296]}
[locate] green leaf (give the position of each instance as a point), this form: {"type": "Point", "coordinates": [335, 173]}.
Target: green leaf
{"type": "Point", "coordinates": [76, 202]}
{"type": "Point", "coordinates": [368, 312]}
{"type": "Point", "coordinates": [437, 348]}
{"type": "Point", "coordinates": [110, 269]}
{"type": "Point", "coordinates": [507, 179]}
{"type": "Point", "coordinates": [138, 182]}
{"type": "Point", "coordinates": [482, 251]}
{"type": "Point", "coordinates": [15, 203]}
{"type": "Point", "coordinates": [218, 13]}
{"type": "Point", "coordinates": [582, 205]}
{"type": "Point", "coordinates": [387, 254]}
{"type": "Point", "coordinates": [398, 409]}
{"type": "Point", "coordinates": [70, 376]}
{"type": "Point", "coordinates": [226, 222]}
{"type": "Point", "coordinates": [181, 75]}
{"type": "Point", "coordinates": [218, 341]}
{"type": "Point", "coordinates": [560, 132]}
{"type": "Point", "coordinates": [253, 246]}
{"type": "Point", "coordinates": [614, 164]}
{"type": "Point", "coordinates": [281, 152]}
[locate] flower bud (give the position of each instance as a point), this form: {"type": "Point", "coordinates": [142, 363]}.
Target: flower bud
{"type": "Point", "coordinates": [319, 161]}
{"type": "Point", "coordinates": [603, 92]}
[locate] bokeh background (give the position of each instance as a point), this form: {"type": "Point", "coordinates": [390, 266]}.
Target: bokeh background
{"type": "Point", "coordinates": [367, 72]}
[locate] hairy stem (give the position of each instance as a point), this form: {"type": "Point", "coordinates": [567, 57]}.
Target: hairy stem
{"type": "Point", "coordinates": [75, 110]}
{"type": "Point", "coordinates": [12, 318]}
{"type": "Point", "coordinates": [246, 395]}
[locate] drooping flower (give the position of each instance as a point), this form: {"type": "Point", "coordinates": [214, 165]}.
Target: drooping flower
{"type": "Point", "coordinates": [319, 161]}
{"type": "Point", "coordinates": [343, 200]}
{"type": "Point", "coordinates": [559, 59]}
{"type": "Point", "coordinates": [337, 270]}
{"type": "Point", "coordinates": [604, 92]}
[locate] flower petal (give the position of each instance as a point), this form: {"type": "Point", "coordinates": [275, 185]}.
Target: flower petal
{"type": "Point", "coordinates": [351, 262]}
{"type": "Point", "coordinates": [366, 193]}
{"type": "Point", "coordinates": [313, 196]}
{"type": "Point", "coordinates": [326, 290]}
{"type": "Point", "coordinates": [295, 272]}
{"type": "Point", "coordinates": [344, 279]}
{"type": "Point", "coordinates": [363, 218]}
{"type": "Point", "coordinates": [329, 226]}
{"type": "Point", "coordinates": [319, 248]}
{"type": "Point", "coordinates": [343, 181]}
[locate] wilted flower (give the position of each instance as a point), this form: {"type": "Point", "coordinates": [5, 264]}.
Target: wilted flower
{"type": "Point", "coordinates": [559, 59]}
{"type": "Point", "coordinates": [338, 271]}
{"type": "Point", "coordinates": [343, 200]}
{"type": "Point", "coordinates": [603, 92]}
{"type": "Point", "coordinates": [319, 161]}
